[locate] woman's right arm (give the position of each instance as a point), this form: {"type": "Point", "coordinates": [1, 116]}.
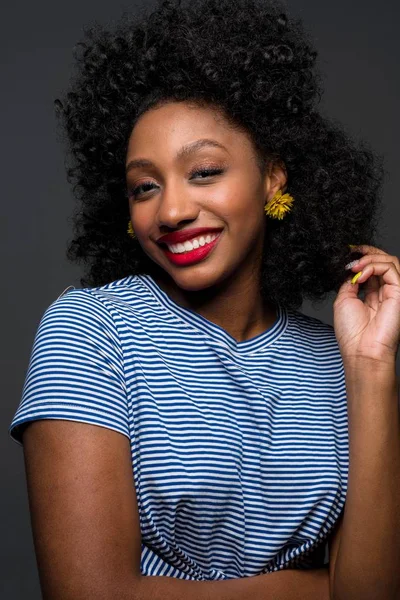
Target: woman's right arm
{"type": "Point", "coordinates": [289, 584]}
{"type": "Point", "coordinates": [86, 530]}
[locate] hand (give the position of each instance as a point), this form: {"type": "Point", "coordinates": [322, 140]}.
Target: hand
{"type": "Point", "coordinates": [370, 328]}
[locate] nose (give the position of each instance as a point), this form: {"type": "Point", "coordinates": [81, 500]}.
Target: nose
{"type": "Point", "coordinates": [176, 205]}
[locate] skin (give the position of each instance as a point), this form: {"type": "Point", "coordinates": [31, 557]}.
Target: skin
{"type": "Point", "coordinates": [223, 287]}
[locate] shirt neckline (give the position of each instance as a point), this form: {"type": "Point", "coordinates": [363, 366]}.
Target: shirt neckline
{"type": "Point", "coordinates": [213, 331]}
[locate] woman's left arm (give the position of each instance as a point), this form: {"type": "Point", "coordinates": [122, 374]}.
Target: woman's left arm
{"type": "Point", "coordinates": [368, 333]}
{"type": "Point", "coordinates": [368, 560]}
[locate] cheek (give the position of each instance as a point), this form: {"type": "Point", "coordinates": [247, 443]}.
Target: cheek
{"type": "Point", "coordinates": [235, 200]}
{"type": "Point", "coordinates": [240, 209]}
{"type": "Point", "coordinates": [142, 218]}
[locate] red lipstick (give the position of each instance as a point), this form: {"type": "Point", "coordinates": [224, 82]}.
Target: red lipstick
{"type": "Point", "coordinates": [186, 234]}
{"type": "Point", "coordinates": [191, 256]}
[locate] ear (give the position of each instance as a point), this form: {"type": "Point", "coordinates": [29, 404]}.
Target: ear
{"type": "Point", "coordinates": [275, 178]}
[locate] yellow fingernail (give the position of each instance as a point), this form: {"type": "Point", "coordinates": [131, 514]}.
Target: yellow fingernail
{"type": "Point", "coordinates": [352, 246]}
{"type": "Point", "coordinates": [356, 277]}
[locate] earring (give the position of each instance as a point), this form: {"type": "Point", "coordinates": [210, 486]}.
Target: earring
{"type": "Point", "coordinates": [130, 230]}
{"type": "Point", "coordinates": [278, 205]}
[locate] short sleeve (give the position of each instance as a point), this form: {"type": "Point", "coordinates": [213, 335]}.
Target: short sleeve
{"type": "Point", "coordinates": [76, 367]}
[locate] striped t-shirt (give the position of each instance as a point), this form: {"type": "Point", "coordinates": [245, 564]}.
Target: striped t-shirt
{"type": "Point", "coordinates": [239, 449]}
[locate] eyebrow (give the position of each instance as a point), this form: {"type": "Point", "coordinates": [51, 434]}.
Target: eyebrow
{"type": "Point", "coordinates": [182, 153]}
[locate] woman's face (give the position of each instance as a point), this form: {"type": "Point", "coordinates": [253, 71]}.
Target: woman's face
{"type": "Point", "coordinates": [169, 191]}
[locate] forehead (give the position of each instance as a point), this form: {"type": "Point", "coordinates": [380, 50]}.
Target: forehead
{"type": "Point", "coordinates": [172, 125]}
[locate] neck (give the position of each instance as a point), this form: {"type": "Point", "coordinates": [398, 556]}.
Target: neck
{"type": "Point", "coordinates": [235, 305]}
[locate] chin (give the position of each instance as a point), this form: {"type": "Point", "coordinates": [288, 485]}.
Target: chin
{"type": "Point", "coordinates": [192, 281]}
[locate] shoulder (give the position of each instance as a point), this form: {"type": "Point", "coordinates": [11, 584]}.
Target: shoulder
{"type": "Point", "coordinates": [312, 331]}
{"type": "Point", "coordinates": [79, 321]}
{"type": "Point", "coordinates": [311, 345]}
{"type": "Point", "coordinates": [91, 304]}
{"type": "Point", "coordinates": [77, 307]}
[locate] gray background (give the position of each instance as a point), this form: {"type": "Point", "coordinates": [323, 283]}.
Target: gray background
{"type": "Point", "coordinates": [359, 53]}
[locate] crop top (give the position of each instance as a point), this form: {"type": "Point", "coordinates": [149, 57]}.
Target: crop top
{"type": "Point", "coordinates": [239, 450]}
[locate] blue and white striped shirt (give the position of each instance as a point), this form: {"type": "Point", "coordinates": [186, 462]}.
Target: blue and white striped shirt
{"type": "Point", "coordinates": [239, 449]}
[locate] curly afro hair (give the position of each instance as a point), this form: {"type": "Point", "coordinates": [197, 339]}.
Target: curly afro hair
{"type": "Point", "coordinates": [257, 65]}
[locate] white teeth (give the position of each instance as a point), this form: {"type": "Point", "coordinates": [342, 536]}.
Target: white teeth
{"type": "Point", "coordinates": [191, 244]}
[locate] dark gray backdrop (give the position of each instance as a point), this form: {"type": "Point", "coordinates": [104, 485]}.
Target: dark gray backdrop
{"type": "Point", "coordinates": [358, 44]}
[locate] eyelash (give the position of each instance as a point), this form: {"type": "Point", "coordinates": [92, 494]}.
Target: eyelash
{"type": "Point", "coordinates": [134, 191]}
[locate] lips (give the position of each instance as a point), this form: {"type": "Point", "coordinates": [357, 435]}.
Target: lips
{"type": "Point", "coordinates": [191, 257]}
{"type": "Point", "coordinates": [186, 234]}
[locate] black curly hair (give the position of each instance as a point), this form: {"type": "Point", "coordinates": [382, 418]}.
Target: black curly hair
{"type": "Point", "coordinates": [255, 64]}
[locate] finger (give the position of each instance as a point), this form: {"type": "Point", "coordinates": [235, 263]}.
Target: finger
{"type": "Point", "coordinates": [370, 258]}
{"type": "Point", "coordinates": [372, 284]}
{"type": "Point", "coordinates": [372, 291]}
{"type": "Point", "coordinates": [386, 270]}
{"type": "Point", "coordinates": [365, 249]}
{"type": "Point", "coordinates": [372, 287]}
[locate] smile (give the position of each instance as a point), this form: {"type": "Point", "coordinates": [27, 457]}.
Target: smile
{"type": "Point", "coordinates": [189, 245]}
{"type": "Point", "coordinates": [191, 251]}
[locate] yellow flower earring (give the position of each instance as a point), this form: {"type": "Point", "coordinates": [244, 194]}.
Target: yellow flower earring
{"type": "Point", "coordinates": [130, 230]}
{"type": "Point", "coordinates": [278, 205]}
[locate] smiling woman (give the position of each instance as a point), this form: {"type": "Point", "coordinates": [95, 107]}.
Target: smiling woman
{"type": "Point", "coordinates": [220, 442]}
{"type": "Point", "coordinates": [180, 177]}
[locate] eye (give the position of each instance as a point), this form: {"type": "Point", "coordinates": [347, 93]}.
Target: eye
{"type": "Point", "coordinates": [138, 190]}
{"type": "Point", "coordinates": [207, 172]}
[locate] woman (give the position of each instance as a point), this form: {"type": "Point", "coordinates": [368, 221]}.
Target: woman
{"type": "Point", "coordinates": [188, 424]}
